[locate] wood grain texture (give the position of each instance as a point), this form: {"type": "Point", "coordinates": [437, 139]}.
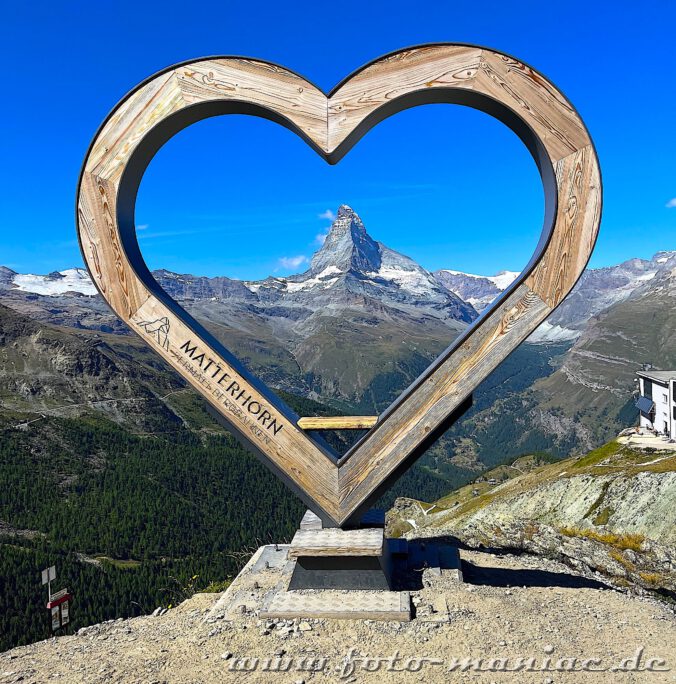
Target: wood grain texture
{"type": "Point", "coordinates": [337, 422]}
{"type": "Point", "coordinates": [337, 488]}
{"type": "Point", "coordinates": [438, 396]}
{"type": "Point", "coordinates": [577, 222]}
{"type": "Point", "coordinates": [395, 77]}
{"type": "Point", "coordinates": [336, 542]}
{"type": "Point", "coordinates": [535, 100]}
{"type": "Point", "coordinates": [265, 85]}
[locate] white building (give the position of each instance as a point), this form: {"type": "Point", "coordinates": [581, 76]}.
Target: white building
{"type": "Point", "coordinates": [657, 401]}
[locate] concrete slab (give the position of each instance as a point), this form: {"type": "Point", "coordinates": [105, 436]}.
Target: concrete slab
{"type": "Point", "coordinates": [341, 605]}
{"type": "Point", "coordinates": [273, 556]}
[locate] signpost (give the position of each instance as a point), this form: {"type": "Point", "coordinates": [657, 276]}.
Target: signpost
{"type": "Point", "coordinates": [58, 604]}
{"type": "Point", "coordinates": [49, 574]}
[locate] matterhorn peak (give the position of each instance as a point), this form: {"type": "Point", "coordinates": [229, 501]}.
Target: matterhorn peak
{"type": "Point", "coordinates": [347, 247]}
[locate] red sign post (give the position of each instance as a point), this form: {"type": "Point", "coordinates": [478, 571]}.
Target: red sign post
{"type": "Point", "coordinates": [59, 609]}
{"type": "Point", "coordinates": [58, 604]}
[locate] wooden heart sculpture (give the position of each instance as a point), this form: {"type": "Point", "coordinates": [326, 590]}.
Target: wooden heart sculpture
{"type": "Point", "coordinates": [337, 489]}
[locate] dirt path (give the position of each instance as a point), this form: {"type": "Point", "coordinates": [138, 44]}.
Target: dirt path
{"type": "Point", "coordinates": [509, 608]}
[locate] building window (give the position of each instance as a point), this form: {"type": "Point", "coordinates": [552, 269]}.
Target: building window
{"type": "Point", "coordinates": [665, 398]}
{"type": "Point", "coordinates": [647, 388]}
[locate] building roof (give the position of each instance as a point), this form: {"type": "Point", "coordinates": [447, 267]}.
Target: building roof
{"type": "Point", "coordinates": [657, 375]}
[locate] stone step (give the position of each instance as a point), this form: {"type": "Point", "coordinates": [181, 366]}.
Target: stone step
{"type": "Point", "coordinates": [340, 605]}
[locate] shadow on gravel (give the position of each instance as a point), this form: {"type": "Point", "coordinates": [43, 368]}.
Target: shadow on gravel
{"type": "Point", "coordinates": [525, 577]}
{"type": "Point", "coordinates": [497, 576]}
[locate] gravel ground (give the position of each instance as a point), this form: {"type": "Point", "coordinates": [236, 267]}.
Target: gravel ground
{"type": "Point", "coordinates": [509, 608]}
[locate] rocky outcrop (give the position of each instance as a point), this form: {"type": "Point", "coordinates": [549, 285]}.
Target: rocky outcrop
{"type": "Point", "coordinates": [612, 511]}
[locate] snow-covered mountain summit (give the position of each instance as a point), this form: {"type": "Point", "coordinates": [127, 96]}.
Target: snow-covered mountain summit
{"type": "Point", "coordinates": [73, 280]}
{"type": "Point", "coordinates": [347, 247]}
{"type": "Point", "coordinates": [352, 268]}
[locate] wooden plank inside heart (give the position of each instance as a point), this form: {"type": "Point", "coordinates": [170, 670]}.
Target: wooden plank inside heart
{"type": "Point", "coordinates": [337, 489]}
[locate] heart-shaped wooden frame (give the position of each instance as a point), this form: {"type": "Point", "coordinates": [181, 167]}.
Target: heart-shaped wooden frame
{"type": "Point", "coordinates": [338, 489]}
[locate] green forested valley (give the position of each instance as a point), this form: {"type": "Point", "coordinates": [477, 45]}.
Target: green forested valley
{"type": "Point", "coordinates": [129, 519]}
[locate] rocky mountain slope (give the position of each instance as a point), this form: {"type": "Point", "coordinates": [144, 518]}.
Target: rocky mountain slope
{"type": "Point", "coordinates": [611, 511]}
{"type": "Point", "coordinates": [299, 333]}
{"type": "Point", "coordinates": [595, 381]}
{"type": "Point", "coordinates": [57, 371]}
{"type": "Point", "coordinates": [589, 396]}
{"type": "Point", "coordinates": [597, 290]}
{"type": "Point", "coordinates": [601, 288]}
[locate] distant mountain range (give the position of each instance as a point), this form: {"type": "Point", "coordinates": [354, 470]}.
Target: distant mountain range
{"type": "Point", "coordinates": [350, 271]}
{"type": "Point", "coordinates": [479, 291]}
{"type": "Point", "coordinates": [364, 320]}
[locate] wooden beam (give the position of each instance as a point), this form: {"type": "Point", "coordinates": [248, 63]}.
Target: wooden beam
{"type": "Point", "coordinates": [337, 542]}
{"type": "Point", "coordinates": [337, 422]}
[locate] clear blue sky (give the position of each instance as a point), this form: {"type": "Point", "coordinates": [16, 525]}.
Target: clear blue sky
{"type": "Point", "coordinates": [243, 197]}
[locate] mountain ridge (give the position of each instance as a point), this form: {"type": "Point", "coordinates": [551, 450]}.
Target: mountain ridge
{"type": "Point", "coordinates": [351, 269]}
{"type": "Point", "coordinates": [363, 321]}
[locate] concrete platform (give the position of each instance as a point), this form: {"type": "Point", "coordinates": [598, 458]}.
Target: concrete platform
{"type": "Point", "coordinates": [274, 583]}
{"type": "Point", "coordinates": [261, 589]}
{"type": "Point", "coordinates": [341, 605]}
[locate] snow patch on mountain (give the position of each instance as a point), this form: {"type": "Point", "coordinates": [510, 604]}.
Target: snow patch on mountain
{"type": "Point", "coordinates": [57, 283]}
{"type": "Point", "coordinates": [411, 280]}
{"type": "Point", "coordinates": [323, 279]}
{"type": "Point", "coordinates": [552, 333]}
{"type": "Point", "coordinates": [504, 279]}
{"type": "Point", "coordinates": [501, 280]}
{"type": "Point", "coordinates": [478, 290]}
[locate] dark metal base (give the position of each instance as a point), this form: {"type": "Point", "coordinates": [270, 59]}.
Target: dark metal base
{"type": "Point", "coordinates": [340, 572]}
